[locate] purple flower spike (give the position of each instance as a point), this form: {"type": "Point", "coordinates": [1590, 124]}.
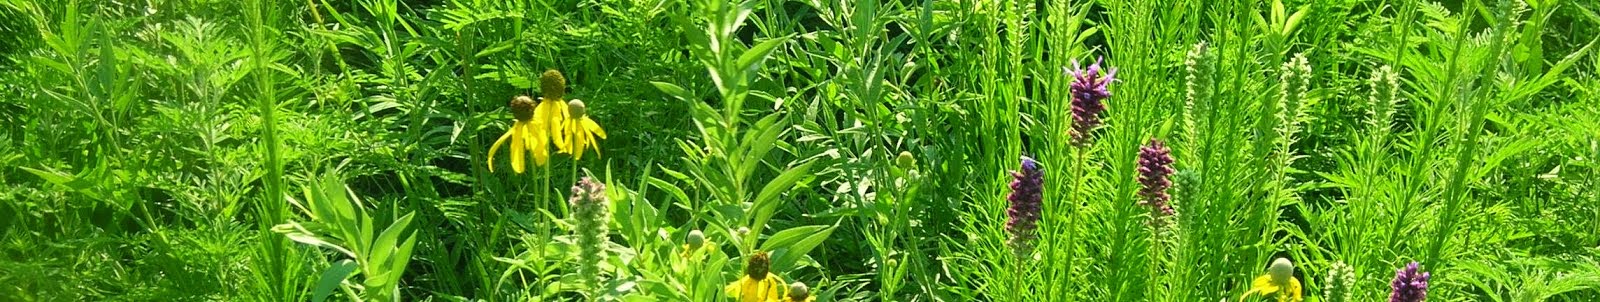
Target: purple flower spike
{"type": "Point", "coordinates": [1409, 285]}
{"type": "Point", "coordinates": [1155, 171]}
{"type": "Point", "coordinates": [1089, 92]}
{"type": "Point", "coordinates": [1026, 200]}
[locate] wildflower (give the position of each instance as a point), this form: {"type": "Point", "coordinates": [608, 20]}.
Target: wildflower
{"type": "Point", "coordinates": [523, 135]}
{"type": "Point", "coordinates": [1089, 92]}
{"type": "Point", "coordinates": [1279, 280]}
{"type": "Point", "coordinates": [1199, 64]}
{"type": "Point", "coordinates": [905, 160]}
{"type": "Point", "coordinates": [695, 241]}
{"type": "Point", "coordinates": [580, 131]}
{"type": "Point", "coordinates": [1409, 285]}
{"type": "Point", "coordinates": [1341, 280]}
{"type": "Point", "coordinates": [1294, 80]}
{"type": "Point", "coordinates": [1026, 201]}
{"type": "Point", "coordinates": [1385, 98]}
{"type": "Point", "coordinates": [590, 215]}
{"type": "Point", "coordinates": [1155, 168]}
{"type": "Point", "coordinates": [798, 292]}
{"type": "Point", "coordinates": [757, 284]}
{"type": "Point", "coordinates": [550, 115]}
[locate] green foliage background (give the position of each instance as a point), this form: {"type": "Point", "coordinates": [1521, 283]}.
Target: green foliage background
{"type": "Point", "coordinates": [307, 150]}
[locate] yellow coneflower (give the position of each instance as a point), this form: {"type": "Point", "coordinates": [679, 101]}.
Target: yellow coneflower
{"type": "Point", "coordinates": [695, 241]}
{"type": "Point", "coordinates": [757, 284]}
{"type": "Point", "coordinates": [1279, 279]}
{"type": "Point", "coordinates": [550, 115]}
{"type": "Point", "coordinates": [580, 131]}
{"type": "Point", "coordinates": [522, 134]}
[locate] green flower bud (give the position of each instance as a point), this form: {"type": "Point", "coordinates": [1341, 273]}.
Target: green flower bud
{"type": "Point", "coordinates": [905, 161]}
{"type": "Point", "coordinates": [1281, 271]}
{"type": "Point", "coordinates": [798, 291]}
{"type": "Point", "coordinates": [577, 108]}
{"type": "Point", "coordinates": [697, 239]}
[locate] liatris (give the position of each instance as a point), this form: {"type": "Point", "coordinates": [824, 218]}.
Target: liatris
{"type": "Point", "coordinates": [1155, 167]}
{"type": "Point", "coordinates": [1295, 80]}
{"type": "Point", "coordinates": [1409, 285]}
{"type": "Point", "coordinates": [1026, 203]}
{"type": "Point", "coordinates": [1341, 280]}
{"type": "Point", "coordinates": [590, 215]}
{"type": "Point", "coordinates": [1197, 85]}
{"type": "Point", "coordinates": [1089, 92]}
{"type": "Point", "coordinates": [1385, 98]}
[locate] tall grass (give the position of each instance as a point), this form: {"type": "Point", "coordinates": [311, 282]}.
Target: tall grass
{"type": "Point", "coordinates": [867, 146]}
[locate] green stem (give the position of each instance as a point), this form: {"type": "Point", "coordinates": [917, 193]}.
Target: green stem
{"type": "Point", "coordinates": [272, 203]}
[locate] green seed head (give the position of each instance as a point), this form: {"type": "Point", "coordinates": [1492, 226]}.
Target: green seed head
{"type": "Point", "coordinates": [798, 291]}
{"type": "Point", "coordinates": [697, 239]}
{"type": "Point", "coordinates": [552, 85]}
{"type": "Point", "coordinates": [905, 160]}
{"type": "Point", "coordinates": [577, 108]}
{"type": "Point", "coordinates": [1281, 271]}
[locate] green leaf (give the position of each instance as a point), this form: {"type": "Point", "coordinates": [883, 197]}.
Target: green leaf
{"type": "Point", "coordinates": [758, 143]}
{"type": "Point", "coordinates": [384, 246]}
{"type": "Point", "coordinates": [794, 244]}
{"type": "Point", "coordinates": [1294, 20]}
{"type": "Point", "coordinates": [331, 278]}
{"type": "Point", "coordinates": [73, 183]}
{"type": "Point", "coordinates": [751, 59]}
{"type": "Point", "coordinates": [766, 202]}
{"type": "Point", "coordinates": [673, 90]}
{"type": "Point", "coordinates": [299, 234]}
{"type": "Point", "coordinates": [402, 256]}
{"type": "Point", "coordinates": [672, 190]}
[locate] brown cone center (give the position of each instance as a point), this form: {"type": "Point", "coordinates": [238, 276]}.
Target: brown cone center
{"type": "Point", "coordinates": [757, 266]}
{"type": "Point", "coordinates": [522, 108]}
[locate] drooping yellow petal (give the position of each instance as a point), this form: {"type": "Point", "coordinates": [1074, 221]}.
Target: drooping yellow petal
{"type": "Point", "coordinates": [1293, 290]}
{"type": "Point", "coordinates": [775, 285]}
{"type": "Point", "coordinates": [517, 146]}
{"type": "Point", "coordinates": [576, 140]}
{"type": "Point", "coordinates": [548, 118]}
{"type": "Point", "coordinates": [733, 290]}
{"type": "Point", "coordinates": [496, 147]}
{"type": "Point", "coordinates": [1262, 285]}
{"type": "Point", "coordinates": [537, 144]}
{"type": "Point", "coordinates": [767, 289]}
{"type": "Point", "coordinates": [560, 118]}
{"type": "Point", "coordinates": [580, 134]}
{"type": "Point", "coordinates": [594, 127]}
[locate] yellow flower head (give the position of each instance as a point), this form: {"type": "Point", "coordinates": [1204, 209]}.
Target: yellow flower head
{"type": "Point", "coordinates": [549, 115]}
{"type": "Point", "coordinates": [1279, 280]}
{"type": "Point", "coordinates": [758, 284]}
{"type": "Point", "coordinates": [580, 131]}
{"type": "Point", "coordinates": [522, 135]}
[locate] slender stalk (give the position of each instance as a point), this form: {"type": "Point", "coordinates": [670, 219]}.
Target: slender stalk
{"type": "Point", "coordinates": [1476, 109]}
{"type": "Point", "coordinates": [272, 204]}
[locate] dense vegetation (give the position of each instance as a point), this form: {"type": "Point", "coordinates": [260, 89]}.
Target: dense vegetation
{"type": "Point", "coordinates": [905, 150]}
